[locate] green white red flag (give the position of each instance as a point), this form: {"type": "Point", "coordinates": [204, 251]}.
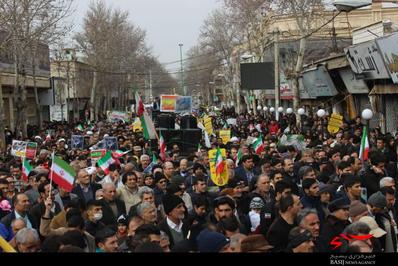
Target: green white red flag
{"type": "Point", "coordinates": [147, 125]}
{"type": "Point", "coordinates": [258, 145]}
{"type": "Point", "coordinates": [220, 164]}
{"type": "Point", "coordinates": [106, 161]}
{"type": "Point", "coordinates": [62, 174]}
{"type": "Point", "coordinates": [364, 150]}
{"type": "Point", "coordinates": [162, 147]}
{"type": "Point", "coordinates": [238, 157]}
{"type": "Point", "coordinates": [118, 154]}
{"type": "Point", "coordinates": [26, 168]}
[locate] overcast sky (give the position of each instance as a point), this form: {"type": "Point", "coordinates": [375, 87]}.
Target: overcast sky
{"type": "Point", "coordinates": [167, 22]}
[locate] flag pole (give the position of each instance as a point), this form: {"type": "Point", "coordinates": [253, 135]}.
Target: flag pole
{"type": "Point", "coordinates": [51, 173]}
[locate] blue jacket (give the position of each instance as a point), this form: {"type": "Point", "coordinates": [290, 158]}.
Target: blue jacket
{"type": "Point", "coordinates": [5, 233]}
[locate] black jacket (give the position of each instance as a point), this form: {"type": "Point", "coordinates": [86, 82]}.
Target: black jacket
{"type": "Point", "coordinates": [278, 234]}
{"type": "Point", "coordinates": [77, 190]}
{"type": "Point", "coordinates": [163, 226]}
{"type": "Point", "coordinates": [370, 180]}
{"type": "Point", "coordinates": [332, 228]}
{"type": "Point", "coordinates": [93, 228]}
{"type": "Point", "coordinates": [108, 217]}
{"type": "Point", "coordinates": [7, 220]}
{"type": "Point", "coordinates": [38, 210]}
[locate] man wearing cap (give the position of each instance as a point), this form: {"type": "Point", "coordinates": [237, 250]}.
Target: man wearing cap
{"type": "Point", "coordinates": [173, 225]}
{"type": "Point", "coordinates": [377, 203]}
{"type": "Point", "coordinates": [300, 241]}
{"type": "Point", "coordinates": [212, 242]}
{"type": "Point", "coordinates": [352, 188]}
{"type": "Point", "coordinates": [357, 211]}
{"type": "Point", "coordinates": [335, 222]}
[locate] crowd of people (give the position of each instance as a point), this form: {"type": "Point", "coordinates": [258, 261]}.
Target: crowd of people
{"type": "Point", "coordinates": [316, 197]}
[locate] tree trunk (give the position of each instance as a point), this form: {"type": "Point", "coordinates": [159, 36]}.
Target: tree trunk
{"type": "Point", "coordinates": [93, 115]}
{"type": "Point", "coordinates": [297, 72]}
{"type": "Point", "coordinates": [2, 121]}
{"type": "Point", "coordinates": [38, 107]}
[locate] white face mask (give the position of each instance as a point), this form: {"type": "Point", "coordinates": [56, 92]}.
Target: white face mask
{"type": "Point", "coordinates": [98, 216]}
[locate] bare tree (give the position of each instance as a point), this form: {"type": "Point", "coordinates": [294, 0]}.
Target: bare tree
{"type": "Point", "coordinates": [29, 22]}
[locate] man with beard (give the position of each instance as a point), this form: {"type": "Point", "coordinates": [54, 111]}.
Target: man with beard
{"type": "Point", "coordinates": [173, 225]}
{"type": "Point", "coordinates": [311, 197]}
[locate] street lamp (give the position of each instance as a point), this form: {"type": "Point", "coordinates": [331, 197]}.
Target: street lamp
{"type": "Point", "coordinates": [265, 109]}
{"type": "Point", "coordinates": [182, 70]}
{"type": "Point", "coordinates": [301, 111]}
{"type": "Point", "coordinates": [259, 108]}
{"type": "Point", "coordinates": [280, 110]}
{"type": "Point", "coordinates": [289, 111]}
{"type": "Point", "coordinates": [321, 113]}
{"type": "Point", "coordinates": [272, 109]}
{"type": "Point", "coordinates": [367, 114]}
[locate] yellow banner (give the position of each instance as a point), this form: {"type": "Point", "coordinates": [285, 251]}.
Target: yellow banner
{"type": "Point", "coordinates": [137, 125]}
{"type": "Point", "coordinates": [208, 125]}
{"type": "Point", "coordinates": [335, 123]}
{"type": "Point", "coordinates": [225, 135]}
{"type": "Point", "coordinates": [221, 180]}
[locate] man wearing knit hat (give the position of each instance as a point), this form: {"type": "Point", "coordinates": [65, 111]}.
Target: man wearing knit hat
{"type": "Point", "coordinates": [212, 242]}
{"type": "Point", "coordinates": [377, 204]}
{"type": "Point", "coordinates": [357, 210]}
{"type": "Point", "coordinates": [335, 222]}
{"type": "Point", "coordinates": [173, 224]}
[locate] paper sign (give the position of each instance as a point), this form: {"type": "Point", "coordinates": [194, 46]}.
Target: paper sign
{"type": "Point", "coordinates": [208, 125]}
{"type": "Point", "coordinates": [221, 180]}
{"type": "Point", "coordinates": [111, 143]}
{"type": "Point", "coordinates": [77, 142]}
{"type": "Point", "coordinates": [225, 135]}
{"type": "Point", "coordinates": [335, 123]}
{"type": "Point", "coordinates": [31, 149]}
{"type": "Point", "coordinates": [18, 148]}
{"type": "Point", "coordinates": [168, 103]}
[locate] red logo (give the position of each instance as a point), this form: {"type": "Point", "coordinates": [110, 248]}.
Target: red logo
{"type": "Point", "coordinates": [337, 243]}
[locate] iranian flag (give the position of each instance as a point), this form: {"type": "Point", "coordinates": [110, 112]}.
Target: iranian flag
{"type": "Point", "coordinates": [162, 147]}
{"type": "Point", "coordinates": [154, 159]}
{"type": "Point", "coordinates": [238, 157]}
{"type": "Point", "coordinates": [258, 145]}
{"type": "Point", "coordinates": [105, 161]}
{"type": "Point", "coordinates": [26, 168]}
{"type": "Point", "coordinates": [364, 151]}
{"type": "Point", "coordinates": [80, 127]}
{"type": "Point", "coordinates": [146, 122]}
{"type": "Point", "coordinates": [219, 163]}
{"type": "Point", "coordinates": [118, 154]}
{"type": "Point", "coordinates": [62, 174]}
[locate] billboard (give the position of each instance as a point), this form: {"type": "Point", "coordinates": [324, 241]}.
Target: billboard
{"type": "Point", "coordinates": [175, 104]}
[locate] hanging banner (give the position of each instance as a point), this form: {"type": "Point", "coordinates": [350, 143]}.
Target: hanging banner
{"type": "Point", "coordinates": [116, 116]}
{"type": "Point", "coordinates": [222, 180]}
{"type": "Point", "coordinates": [335, 123]}
{"type": "Point", "coordinates": [225, 135]}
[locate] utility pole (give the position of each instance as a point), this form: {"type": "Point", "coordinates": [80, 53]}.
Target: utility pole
{"type": "Point", "coordinates": [277, 77]}
{"type": "Point", "coordinates": [182, 72]}
{"type": "Point", "coordinates": [150, 85]}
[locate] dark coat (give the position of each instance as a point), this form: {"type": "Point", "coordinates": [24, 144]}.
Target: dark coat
{"type": "Point", "coordinates": [108, 218]}
{"type": "Point", "coordinates": [163, 226]}
{"type": "Point", "coordinates": [93, 228]}
{"type": "Point", "coordinates": [77, 190]}
{"type": "Point", "coordinates": [7, 220]}
{"type": "Point", "coordinates": [38, 210]}
{"type": "Point", "coordinates": [314, 203]}
{"type": "Point", "coordinates": [240, 174]}
{"type": "Point", "coordinates": [370, 180]}
{"type": "Point", "coordinates": [278, 234]}
{"type": "Point", "coordinates": [332, 228]}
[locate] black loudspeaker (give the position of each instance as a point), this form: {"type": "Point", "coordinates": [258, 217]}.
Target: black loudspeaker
{"type": "Point", "coordinates": [189, 122]}
{"type": "Point", "coordinates": [166, 121]}
{"type": "Point", "coordinates": [171, 137]}
{"type": "Point", "coordinates": [190, 140]}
